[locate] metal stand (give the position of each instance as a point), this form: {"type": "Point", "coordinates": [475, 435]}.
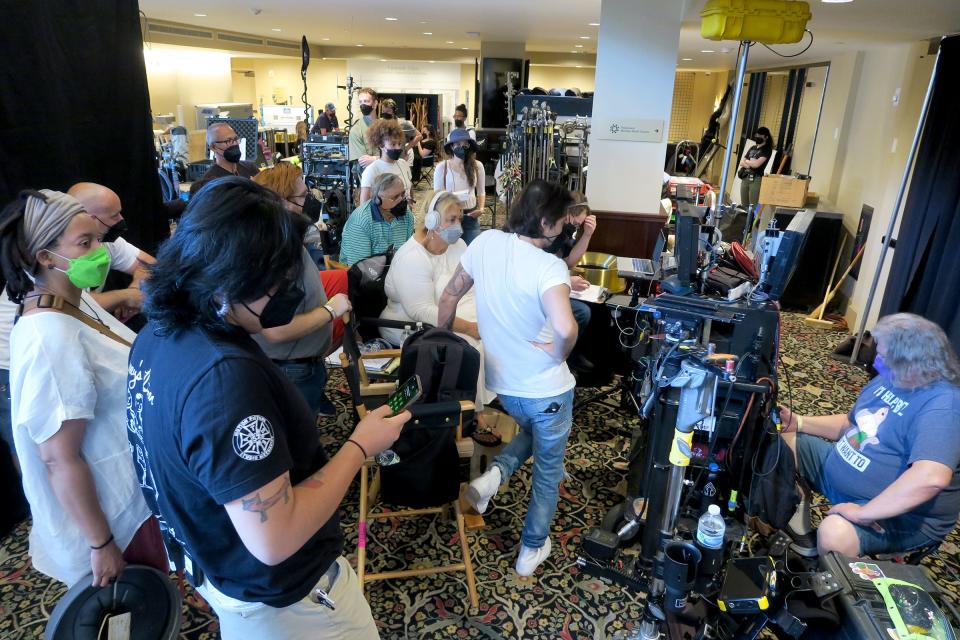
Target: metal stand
{"type": "Point", "coordinates": [731, 131]}
{"type": "Point", "coordinates": [896, 210]}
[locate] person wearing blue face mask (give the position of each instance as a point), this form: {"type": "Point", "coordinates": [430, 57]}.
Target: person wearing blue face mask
{"type": "Point", "coordinates": [421, 269]}
{"type": "Point", "coordinates": [890, 466]}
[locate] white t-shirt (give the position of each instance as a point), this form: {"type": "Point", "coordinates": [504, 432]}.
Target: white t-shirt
{"type": "Point", "coordinates": [400, 168]}
{"type": "Point", "coordinates": [448, 178]}
{"type": "Point", "coordinates": [123, 257]}
{"type": "Point", "coordinates": [510, 277]}
{"type": "Point", "coordinates": [61, 369]}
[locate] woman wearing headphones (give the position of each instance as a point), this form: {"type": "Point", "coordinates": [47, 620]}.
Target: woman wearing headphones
{"type": "Point", "coordinates": [420, 270]}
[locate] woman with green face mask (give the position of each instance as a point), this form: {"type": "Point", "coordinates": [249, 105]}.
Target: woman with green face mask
{"type": "Point", "coordinates": [68, 365]}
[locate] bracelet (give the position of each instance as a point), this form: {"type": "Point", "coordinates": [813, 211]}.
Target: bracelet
{"type": "Point", "coordinates": [109, 540]}
{"type": "Point", "coordinates": [359, 446]}
{"type": "Point", "coordinates": [799, 424]}
{"type": "Point", "coordinates": [329, 309]}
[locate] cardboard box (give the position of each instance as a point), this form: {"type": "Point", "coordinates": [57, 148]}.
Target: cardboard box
{"type": "Point", "coordinates": [783, 191]}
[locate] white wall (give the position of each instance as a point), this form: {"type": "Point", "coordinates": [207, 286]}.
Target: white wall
{"type": "Point", "coordinates": [413, 77]}
{"type": "Point", "coordinates": [636, 64]}
{"type": "Point", "coordinates": [877, 144]}
{"type": "Point", "coordinates": [186, 76]}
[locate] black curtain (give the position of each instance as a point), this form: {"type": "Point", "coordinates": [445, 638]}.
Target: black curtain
{"type": "Point", "coordinates": [925, 272]}
{"type": "Point", "coordinates": [75, 107]}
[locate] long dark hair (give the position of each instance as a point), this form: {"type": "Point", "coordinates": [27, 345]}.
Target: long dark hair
{"type": "Point", "coordinates": [234, 243]}
{"type": "Point", "coordinates": [767, 146]}
{"type": "Point", "coordinates": [15, 259]}
{"type": "Point", "coordinates": [538, 200]}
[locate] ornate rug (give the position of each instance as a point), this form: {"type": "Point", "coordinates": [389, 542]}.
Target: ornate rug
{"type": "Point", "coordinates": [558, 601]}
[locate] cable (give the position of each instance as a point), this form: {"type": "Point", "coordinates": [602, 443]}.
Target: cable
{"type": "Point", "coordinates": [792, 55]}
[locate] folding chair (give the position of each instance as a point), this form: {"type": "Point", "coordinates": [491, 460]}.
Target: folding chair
{"type": "Point", "coordinates": [438, 416]}
{"type": "Point", "coordinates": [427, 166]}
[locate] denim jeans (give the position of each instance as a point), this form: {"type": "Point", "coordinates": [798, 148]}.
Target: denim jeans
{"type": "Point", "coordinates": [544, 426]}
{"type": "Point", "coordinates": [471, 228]}
{"type": "Point", "coordinates": [581, 313]}
{"type": "Point", "coordinates": [6, 419]}
{"type": "Point", "coordinates": [311, 379]}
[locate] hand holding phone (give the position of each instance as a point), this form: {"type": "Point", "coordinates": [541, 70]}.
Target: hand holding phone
{"type": "Point", "coordinates": [405, 395]}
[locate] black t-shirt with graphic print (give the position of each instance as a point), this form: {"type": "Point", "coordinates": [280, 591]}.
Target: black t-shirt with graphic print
{"type": "Point", "coordinates": [211, 419]}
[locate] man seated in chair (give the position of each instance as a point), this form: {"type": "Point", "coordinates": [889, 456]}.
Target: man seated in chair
{"type": "Point", "coordinates": [890, 466]}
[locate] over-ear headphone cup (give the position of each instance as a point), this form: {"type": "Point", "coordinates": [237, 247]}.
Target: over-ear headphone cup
{"type": "Point", "coordinates": [432, 220]}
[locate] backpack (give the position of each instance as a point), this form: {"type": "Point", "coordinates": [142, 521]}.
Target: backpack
{"type": "Point", "coordinates": [773, 490]}
{"type": "Point", "coordinates": [365, 283]}
{"type": "Point", "coordinates": [428, 472]}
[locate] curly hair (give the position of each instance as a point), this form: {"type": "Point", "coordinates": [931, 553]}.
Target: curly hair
{"type": "Point", "coordinates": [234, 243]}
{"type": "Point", "coordinates": [280, 178]}
{"type": "Point", "coordinates": [383, 130]}
{"type": "Point", "coordinates": [918, 352]}
{"type": "Point", "coordinates": [539, 200]}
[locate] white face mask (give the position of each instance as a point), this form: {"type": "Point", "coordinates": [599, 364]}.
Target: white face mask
{"type": "Point", "coordinates": [451, 234]}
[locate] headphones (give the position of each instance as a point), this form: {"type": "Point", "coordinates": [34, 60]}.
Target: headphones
{"type": "Point", "coordinates": [432, 218]}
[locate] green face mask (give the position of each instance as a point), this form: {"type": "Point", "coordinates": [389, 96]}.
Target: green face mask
{"type": "Point", "coordinates": [88, 271]}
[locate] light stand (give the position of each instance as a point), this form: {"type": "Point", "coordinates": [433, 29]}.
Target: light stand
{"type": "Point", "coordinates": [731, 131]}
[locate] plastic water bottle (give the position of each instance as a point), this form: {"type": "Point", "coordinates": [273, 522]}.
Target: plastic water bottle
{"type": "Point", "coordinates": [711, 528]}
{"type": "Point", "coordinates": [710, 494]}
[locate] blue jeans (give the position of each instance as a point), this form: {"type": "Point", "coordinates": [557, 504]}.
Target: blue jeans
{"type": "Point", "coordinates": [6, 419]}
{"type": "Point", "coordinates": [471, 228]}
{"type": "Point", "coordinates": [311, 379]}
{"type": "Point", "coordinates": [581, 313]}
{"type": "Point", "coordinates": [544, 426]}
{"type": "Point", "coordinates": [901, 533]}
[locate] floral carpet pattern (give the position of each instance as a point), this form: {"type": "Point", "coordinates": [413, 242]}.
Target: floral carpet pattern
{"type": "Point", "coordinates": [559, 601]}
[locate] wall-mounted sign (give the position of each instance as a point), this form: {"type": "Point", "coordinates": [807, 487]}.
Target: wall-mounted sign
{"type": "Point", "coordinates": [629, 129]}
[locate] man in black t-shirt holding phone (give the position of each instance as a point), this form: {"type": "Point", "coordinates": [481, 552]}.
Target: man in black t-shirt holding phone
{"type": "Point", "coordinates": [226, 448]}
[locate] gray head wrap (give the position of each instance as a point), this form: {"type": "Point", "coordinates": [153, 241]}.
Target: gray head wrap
{"type": "Point", "coordinates": [44, 222]}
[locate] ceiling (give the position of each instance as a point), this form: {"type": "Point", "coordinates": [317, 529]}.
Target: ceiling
{"type": "Point", "coordinates": [546, 25]}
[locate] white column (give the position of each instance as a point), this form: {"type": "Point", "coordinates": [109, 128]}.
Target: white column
{"type": "Point", "coordinates": [636, 66]}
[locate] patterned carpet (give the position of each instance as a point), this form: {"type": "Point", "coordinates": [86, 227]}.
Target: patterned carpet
{"type": "Point", "coordinates": [558, 601]}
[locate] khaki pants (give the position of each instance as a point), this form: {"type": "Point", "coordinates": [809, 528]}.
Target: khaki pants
{"type": "Point", "coordinates": [304, 620]}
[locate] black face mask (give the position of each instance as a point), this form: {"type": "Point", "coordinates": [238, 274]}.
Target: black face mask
{"type": "Point", "coordinates": [114, 232]}
{"type": "Point", "coordinates": [562, 243]}
{"type": "Point", "coordinates": [386, 116]}
{"type": "Point", "coordinates": [458, 123]}
{"type": "Point", "coordinates": [366, 109]}
{"type": "Point", "coordinates": [232, 154]}
{"type": "Point", "coordinates": [282, 306]}
{"type": "Point", "coordinates": [312, 208]}
{"type": "Point", "coordinates": [398, 209]}
{"type": "Point", "coordinates": [460, 152]}
{"type": "Point", "coordinates": [760, 140]}
{"type": "Point", "coordinates": [394, 154]}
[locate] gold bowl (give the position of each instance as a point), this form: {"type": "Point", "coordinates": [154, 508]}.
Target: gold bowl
{"type": "Point", "coordinates": [600, 269]}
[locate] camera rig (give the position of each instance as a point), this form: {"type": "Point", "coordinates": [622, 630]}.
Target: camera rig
{"type": "Point", "coordinates": [705, 383]}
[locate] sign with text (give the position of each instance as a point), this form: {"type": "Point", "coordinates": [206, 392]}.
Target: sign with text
{"type": "Point", "coordinates": [628, 129]}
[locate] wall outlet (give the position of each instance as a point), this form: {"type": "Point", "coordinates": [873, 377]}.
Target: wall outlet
{"type": "Point", "coordinates": [893, 147]}
{"type": "Point", "coordinates": [896, 97]}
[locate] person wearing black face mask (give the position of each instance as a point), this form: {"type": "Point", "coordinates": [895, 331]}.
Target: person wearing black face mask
{"type": "Point", "coordinates": [387, 136]}
{"type": "Point", "coordinates": [752, 167]}
{"type": "Point", "coordinates": [462, 174]}
{"type": "Point", "coordinates": [226, 449]}
{"type": "Point", "coordinates": [225, 144]}
{"type": "Point", "coordinates": [460, 121]}
{"type": "Point", "coordinates": [104, 205]}
{"type": "Point", "coordinates": [381, 222]}
{"type": "Point", "coordinates": [299, 344]}
{"type": "Point", "coordinates": [362, 154]}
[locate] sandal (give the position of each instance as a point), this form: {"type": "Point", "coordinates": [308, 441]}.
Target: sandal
{"type": "Point", "coordinates": [486, 436]}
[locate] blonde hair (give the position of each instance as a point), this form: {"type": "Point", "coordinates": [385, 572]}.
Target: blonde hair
{"type": "Point", "coordinates": [442, 202]}
{"type": "Point", "coordinates": [280, 178]}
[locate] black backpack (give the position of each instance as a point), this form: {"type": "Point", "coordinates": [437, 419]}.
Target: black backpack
{"type": "Point", "coordinates": [428, 472]}
{"type": "Point", "coordinates": [773, 495]}
{"type": "Point", "coordinates": [365, 282]}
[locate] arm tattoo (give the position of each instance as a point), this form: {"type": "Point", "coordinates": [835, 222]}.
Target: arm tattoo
{"type": "Point", "coordinates": [459, 284]}
{"type": "Point", "coordinates": [261, 506]}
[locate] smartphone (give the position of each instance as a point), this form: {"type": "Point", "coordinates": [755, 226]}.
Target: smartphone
{"type": "Point", "coordinates": [405, 395]}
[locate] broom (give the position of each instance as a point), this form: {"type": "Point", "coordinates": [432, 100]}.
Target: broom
{"type": "Point", "coordinates": [815, 319]}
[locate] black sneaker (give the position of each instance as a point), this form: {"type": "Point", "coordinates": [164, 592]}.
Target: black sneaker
{"type": "Point", "coordinates": [804, 544]}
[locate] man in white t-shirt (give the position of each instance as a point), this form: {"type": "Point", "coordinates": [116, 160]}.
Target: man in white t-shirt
{"type": "Point", "coordinates": [103, 204]}
{"type": "Point", "coordinates": [528, 330]}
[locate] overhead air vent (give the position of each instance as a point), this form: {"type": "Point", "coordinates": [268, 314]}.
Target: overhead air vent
{"type": "Point", "coordinates": [179, 31]}
{"type": "Point", "coordinates": [283, 45]}
{"type": "Point", "coordinates": [242, 39]}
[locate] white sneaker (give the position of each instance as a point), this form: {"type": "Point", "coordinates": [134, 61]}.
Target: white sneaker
{"type": "Point", "coordinates": [529, 559]}
{"type": "Point", "coordinates": [480, 491]}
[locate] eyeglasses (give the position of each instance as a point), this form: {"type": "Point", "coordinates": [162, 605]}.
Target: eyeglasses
{"type": "Point", "coordinates": [233, 140]}
{"type": "Point", "coordinates": [399, 196]}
